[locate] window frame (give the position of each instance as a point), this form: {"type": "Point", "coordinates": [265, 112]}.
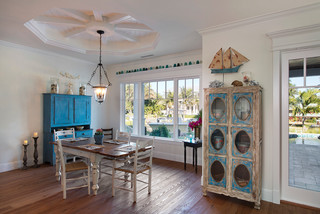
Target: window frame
{"type": "Point", "coordinates": [139, 102]}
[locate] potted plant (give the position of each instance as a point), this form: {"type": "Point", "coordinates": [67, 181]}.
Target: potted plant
{"type": "Point", "coordinates": [98, 136]}
{"type": "Point", "coordinates": [196, 125]}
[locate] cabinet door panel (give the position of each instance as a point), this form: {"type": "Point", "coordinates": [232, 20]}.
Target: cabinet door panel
{"type": "Point", "coordinates": [217, 171]}
{"type": "Point", "coordinates": [62, 110]}
{"type": "Point", "coordinates": [217, 139]}
{"type": "Point", "coordinates": [242, 175]}
{"type": "Point", "coordinates": [218, 106]}
{"type": "Point", "coordinates": [242, 108]}
{"type": "Point", "coordinates": [242, 142]}
{"type": "Point", "coordinates": [82, 108]}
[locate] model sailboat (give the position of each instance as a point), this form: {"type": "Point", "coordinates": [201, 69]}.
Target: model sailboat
{"type": "Point", "coordinates": [229, 62]}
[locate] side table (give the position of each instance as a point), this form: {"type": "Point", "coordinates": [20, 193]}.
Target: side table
{"type": "Point", "coordinates": [195, 146]}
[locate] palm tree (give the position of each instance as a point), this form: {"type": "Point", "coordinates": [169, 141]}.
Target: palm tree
{"type": "Point", "coordinates": [306, 102]}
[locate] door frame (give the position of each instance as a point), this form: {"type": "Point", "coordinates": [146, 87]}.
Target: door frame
{"type": "Point", "coordinates": [284, 41]}
{"type": "Point", "coordinates": [290, 193]}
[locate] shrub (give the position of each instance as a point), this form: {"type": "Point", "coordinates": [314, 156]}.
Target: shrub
{"type": "Point", "coordinates": [161, 131]}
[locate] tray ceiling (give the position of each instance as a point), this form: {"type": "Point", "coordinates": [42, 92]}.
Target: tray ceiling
{"type": "Point", "coordinates": [156, 28]}
{"type": "Point", "coordinates": [77, 31]}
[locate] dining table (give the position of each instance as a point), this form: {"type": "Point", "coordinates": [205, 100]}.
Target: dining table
{"type": "Point", "coordinates": [86, 147]}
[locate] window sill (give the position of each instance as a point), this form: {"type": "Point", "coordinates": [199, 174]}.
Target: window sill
{"type": "Point", "coordinates": [159, 139]}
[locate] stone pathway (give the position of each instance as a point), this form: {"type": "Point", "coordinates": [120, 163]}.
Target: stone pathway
{"type": "Point", "coordinates": [304, 166]}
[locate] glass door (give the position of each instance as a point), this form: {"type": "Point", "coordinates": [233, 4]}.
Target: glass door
{"type": "Point", "coordinates": [300, 133]}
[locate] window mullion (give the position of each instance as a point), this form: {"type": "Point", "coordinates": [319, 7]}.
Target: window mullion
{"type": "Point", "coordinates": [175, 104]}
{"type": "Point", "coordinates": [304, 72]}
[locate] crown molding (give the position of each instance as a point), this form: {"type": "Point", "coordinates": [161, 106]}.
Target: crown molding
{"type": "Point", "coordinates": [258, 19]}
{"type": "Point", "coordinates": [31, 25]}
{"type": "Point", "coordinates": [294, 31]}
{"type": "Point", "coordinates": [296, 38]}
{"type": "Point", "coordinates": [35, 50]}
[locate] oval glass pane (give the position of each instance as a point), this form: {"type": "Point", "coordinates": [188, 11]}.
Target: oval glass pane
{"type": "Point", "coordinates": [217, 139]}
{"type": "Point", "coordinates": [242, 142]}
{"type": "Point", "coordinates": [218, 108]}
{"type": "Point", "coordinates": [242, 108]}
{"type": "Point", "coordinates": [217, 171]}
{"type": "Point", "coordinates": [241, 175]}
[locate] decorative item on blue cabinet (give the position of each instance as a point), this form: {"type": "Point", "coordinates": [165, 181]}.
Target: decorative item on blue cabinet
{"type": "Point", "coordinates": [232, 142]}
{"type": "Point", "coordinates": [61, 111]}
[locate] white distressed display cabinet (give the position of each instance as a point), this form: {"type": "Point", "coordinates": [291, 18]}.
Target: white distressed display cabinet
{"type": "Point", "coordinates": [232, 142]}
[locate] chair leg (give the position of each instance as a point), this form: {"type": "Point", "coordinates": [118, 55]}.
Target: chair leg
{"type": "Point", "coordinates": [134, 187]}
{"type": "Point", "coordinates": [113, 175]}
{"type": "Point", "coordinates": [149, 181]}
{"type": "Point", "coordinates": [89, 180]}
{"type": "Point", "coordinates": [100, 169]}
{"type": "Point", "coordinates": [131, 181]}
{"type": "Point", "coordinates": [64, 186]}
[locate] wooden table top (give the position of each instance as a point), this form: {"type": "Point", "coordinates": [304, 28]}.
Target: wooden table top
{"type": "Point", "coordinates": [110, 148]}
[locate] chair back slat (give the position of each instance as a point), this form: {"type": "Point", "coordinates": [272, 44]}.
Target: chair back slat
{"type": "Point", "coordinates": [58, 134]}
{"type": "Point", "coordinates": [143, 154]}
{"type": "Point", "coordinates": [108, 133]}
{"type": "Point", "coordinates": [123, 136]}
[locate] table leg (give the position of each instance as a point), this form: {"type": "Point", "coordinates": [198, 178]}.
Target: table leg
{"type": "Point", "coordinates": [185, 157]}
{"type": "Point", "coordinates": [193, 157]}
{"type": "Point", "coordinates": [196, 159]}
{"type": "Point", "coordinates": [58, 164]}
{"type": "Point", "coordinates": [95, 175]}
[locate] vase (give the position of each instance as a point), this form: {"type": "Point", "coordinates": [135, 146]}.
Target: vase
{"type": "Point", "coordinates": [197, 132]}
{"type": "Point", "coordinates": [98, 139]}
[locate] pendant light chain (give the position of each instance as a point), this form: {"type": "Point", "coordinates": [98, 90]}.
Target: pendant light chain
{"type": "Point", "coordinates": [100, 60]}
{"type": "Point", "coordinates": [100, 66]}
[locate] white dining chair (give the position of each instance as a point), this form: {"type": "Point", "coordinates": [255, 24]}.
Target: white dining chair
{"type": "Point", "coordinates": [123, 136]}
{"type": "Point", "coordinates": [73, 167]}
{"type": "Point", "coordinates": [106, 165]}
{"type": "Point", "coordinates": [67, 134]}
{"type": "Point", "coordinates": [138, 163]}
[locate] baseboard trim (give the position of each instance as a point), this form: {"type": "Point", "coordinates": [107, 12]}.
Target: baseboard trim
{"type": "Point", "coordinates": [4, 167]}
{"type": "Point", "coordinates": [266, 195]}
{"type": "Point", "coordinates": [175, 157]}
{"type": "Point", "coordinates": [300, 205]}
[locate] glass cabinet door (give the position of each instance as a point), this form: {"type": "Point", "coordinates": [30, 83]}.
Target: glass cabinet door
{"type": "Point", "coordinates": [218, 108]}
{"type": "Point", "coordinates": [217, 171]}
{"type": "Point", "coordinates": [217, 139]}
{"type": "Point", "coordinates": [242, 108]}
{"type": "Point", "coordinates": [242, 142]}
{"type": "Point", "coordinates": [242, 175]}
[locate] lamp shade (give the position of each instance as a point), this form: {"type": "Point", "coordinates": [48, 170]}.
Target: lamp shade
{"type": "Point", "coordinates": [100, 93]}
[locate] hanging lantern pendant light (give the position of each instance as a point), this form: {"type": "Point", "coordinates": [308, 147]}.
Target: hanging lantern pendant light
{"type": "Point", "coordinates": [100, 90]}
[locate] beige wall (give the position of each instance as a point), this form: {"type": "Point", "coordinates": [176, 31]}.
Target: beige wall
{"type": "Point", "coordinates": [252, 42]}
{"type": "Point", "coordinates": [25, 74]}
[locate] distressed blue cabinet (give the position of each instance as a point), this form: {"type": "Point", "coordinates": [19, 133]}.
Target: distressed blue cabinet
{"type": "Point", "coordinates": [61, 111]}
{"type": "Point", "coordinates": [232, 142]}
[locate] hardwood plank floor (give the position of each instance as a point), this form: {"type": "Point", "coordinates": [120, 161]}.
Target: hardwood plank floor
{"type": "Point", "coordinates": [173, 191]}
